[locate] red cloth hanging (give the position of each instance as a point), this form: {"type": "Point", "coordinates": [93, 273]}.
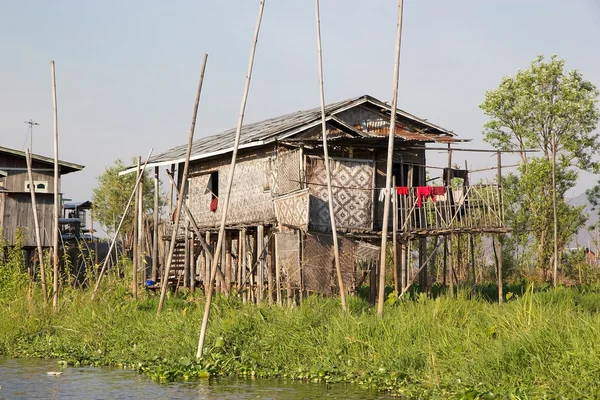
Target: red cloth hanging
{"type": "Point", "coordinates": [423, 193]}
{"type": "Point", "coordinates": [402, 190]}
{"type": "Point", "coordinates": [213, 204]}
{"type": "Point", "coordinates": [438, 191]}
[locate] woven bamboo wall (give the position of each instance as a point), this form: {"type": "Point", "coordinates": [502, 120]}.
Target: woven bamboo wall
{"type": "Point", "coordinates": [318, 267]}
{"type": "Point", "coordinates": [292, 210]}
{"type": "Point", "coordinates": [250, 201]}
{"type": "Point", "coordinates": [352, 182]}
{"type": "Point", "coordinates": [286, 172]}
{"type": "Point", "coordinates": [288, 256]}
{"type": "Point", "coordinates": [17, 212]}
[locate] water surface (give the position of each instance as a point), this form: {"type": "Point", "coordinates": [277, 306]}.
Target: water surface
{"type": "Point", "coordinates": [29, 379]}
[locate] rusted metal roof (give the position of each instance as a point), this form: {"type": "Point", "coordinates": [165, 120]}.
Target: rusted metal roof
{"type": "Point", "coordinates": [286, 126]}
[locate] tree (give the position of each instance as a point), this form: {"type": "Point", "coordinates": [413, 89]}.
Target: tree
{"type": "Point", "coordinates": [112, 193]}
{"type": "Point", "coordinates": [555, 111]}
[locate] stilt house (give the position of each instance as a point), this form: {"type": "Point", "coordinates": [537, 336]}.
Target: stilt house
{"type": "Point", "coordinates": [278, 223]}
{"type": "Point", "coordinates": [15, 198]}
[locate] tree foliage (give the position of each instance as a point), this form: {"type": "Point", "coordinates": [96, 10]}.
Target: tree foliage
{"type": "Point", "coordinates": [554, 111]}
{"type": "Point", "coordinates": [112, 193]}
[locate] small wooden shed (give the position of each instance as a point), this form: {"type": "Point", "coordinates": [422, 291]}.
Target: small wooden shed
{"type": "Point", "coordinates": [15, 197]}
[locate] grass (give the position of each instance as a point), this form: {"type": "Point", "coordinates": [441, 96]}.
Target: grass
{"type": "Point", "coordinates": [542, 344]}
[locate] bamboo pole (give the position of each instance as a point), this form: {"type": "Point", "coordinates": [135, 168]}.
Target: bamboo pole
{"type": "Point", "coordinates": [229, 183]}
{"type": "Point", "coordinates": [390, 153]}
{"type": "Point", "coordinates": [395, 238]}
{"type": "Point", "coordinates": [36, 225]}
{"type": "Point", "coordinates": [112, 244]}
{"type": "Point", "coordinates": [155, 231]}
{"type": "Point", "coordinates": [554, 212]}
{"type": "Point", "coordinates": [336, 250]}
{"type": "Point", "coordinates": [165, 280]}
{"type": "Point", "coordinates": [500, 295]}
{"type": "Point", "coordinates": [56, 192]}
{"type": "Point", "coordinates": [136, 232]}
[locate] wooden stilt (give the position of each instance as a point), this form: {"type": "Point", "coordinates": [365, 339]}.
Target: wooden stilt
{"type": "Point", "coordinates": [230, 180]}
{"type": "Point", "coordinates": [57, 205]}
{"type": "Point", "coordinates": [163, 290]}
{"type": "Point", "coordinates": [240, 257]}
{"type": "Point", "coordinates": [260, 239]}
{"type": "Point", "coordinates": [336, 250]}
{"type": "Point", "coordinates": [140, 230]}
{"type": "Point", "coordinates": [472, 246]}
{"type": "Point", "coordinates": [277, 274]}
{"type": "Point", "coordinates": [390, 154]}
{"type": "Point", "coordinates": [451, 265]}
{"type": "Point", "coordinates": [207, 260]}
{"type": "Point", "coordinates": [155, 227]}
{"type": "Point", "coordinates": [194, 262]}
{"type": "Point", "coordinates": [227, 271]}
{"type": "Point", "coordinates": [270, 265]}
{"type": "Point", "coordinates": [251, 250]}
{"type": "Point", "coordinates": [244, 256]}
{"type": "Point", "coordinates": [186, 257]}
{"type": "Point", "coordinates": [423, 272]}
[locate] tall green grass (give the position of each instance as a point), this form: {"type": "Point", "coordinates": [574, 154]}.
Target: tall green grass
{"type": "Point", "coordinates": [542, 344]}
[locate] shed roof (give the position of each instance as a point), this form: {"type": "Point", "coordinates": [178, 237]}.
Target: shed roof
{"type": "Point", "coordinates": [285, 126]}
{"type": "Point", "coordinates": [66, 167]}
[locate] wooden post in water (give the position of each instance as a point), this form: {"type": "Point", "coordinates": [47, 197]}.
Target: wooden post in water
{"type": "Point", "coordinates": [165, 281]}
{"type": "Point", "coordinates": [155, 231]}
{"type": "Point", "coordinates": [390, 154]}
{"type": "Point", "coordinates": [36, 225]}
{"type": "Point", "coordinates": [194, 263]}
{"type": "Point", "coordinates": [55, 232]}
{"type": "Point", "coordinates": [229, 183]}
{"type": "Point", "coordinates": [336, 250]}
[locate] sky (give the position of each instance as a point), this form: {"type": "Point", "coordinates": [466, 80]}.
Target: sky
{"type": "Point", "coordinates": [127, 71]}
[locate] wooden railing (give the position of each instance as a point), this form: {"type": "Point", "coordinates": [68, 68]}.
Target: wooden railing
{"type": "Point", "coordinates": [438, 208]}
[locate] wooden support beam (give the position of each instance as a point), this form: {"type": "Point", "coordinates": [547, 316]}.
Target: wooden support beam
{"type": "Point", "coordinates": [227, 271]}
{"type": "Point", "coordinates": [136, 232]}
{"type": "Point", "coordinates": [270, 265]}
{"type": "Point", "coordinates": [395, 238]}
{"type": "Point", "coordinates": [186, 256]}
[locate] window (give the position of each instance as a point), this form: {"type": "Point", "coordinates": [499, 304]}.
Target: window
{"type": "Point", "coordinates": [39, 186]}
{"type": "Point", "coordinates": [213, 184]}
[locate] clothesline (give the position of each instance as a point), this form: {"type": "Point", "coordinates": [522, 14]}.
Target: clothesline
{"type": "Point", "coordinates": [374, 188]}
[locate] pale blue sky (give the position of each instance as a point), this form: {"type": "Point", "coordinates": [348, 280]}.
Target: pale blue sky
{"type": "Point", "coordinates": [127, 70]}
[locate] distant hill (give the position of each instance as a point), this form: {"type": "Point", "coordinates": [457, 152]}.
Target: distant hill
{"type": "Point", "coordinates": [584, 238]}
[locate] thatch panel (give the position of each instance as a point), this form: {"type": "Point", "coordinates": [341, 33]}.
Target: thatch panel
{"type": "Point", "coordinates": [352, 184]}
{"type": "Point", "coordinates": [287, 245]}
{"type": "Point", "coordinates": [286, 172]}
{"type": "Point", "coordinates": [292, 210]}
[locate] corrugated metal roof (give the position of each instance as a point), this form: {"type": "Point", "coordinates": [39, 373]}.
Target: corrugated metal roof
{"type": "Point", "coordinates": [66, 167]}
{"type": "Point", "coordinates": [263, 132]}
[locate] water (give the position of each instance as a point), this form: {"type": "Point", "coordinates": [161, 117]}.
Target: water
{"type": "Point", "coordinates": [29, 379]}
